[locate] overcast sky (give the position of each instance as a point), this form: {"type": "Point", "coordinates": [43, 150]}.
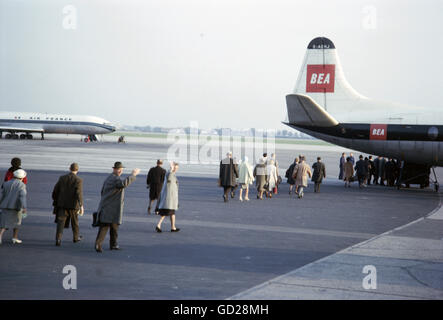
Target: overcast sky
{"type": "Point", "coordinates": [223, 63]}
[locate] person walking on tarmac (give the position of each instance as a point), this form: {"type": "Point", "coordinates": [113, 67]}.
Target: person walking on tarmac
{"type": "Point", "coordinates": [301, 173]}
{"type": "Point", "coordinates": [319, 172]}
{"type": "Point", "coordinates": [348, 172]}
{"type": "Point", "coordinates": [288, 175]}
{"type": "Point", "coordinates": [154, 181]}
{"type": "Point", "coordinates": [361, 168]}
{"type": "Point", "coordinates": [228, 175]}
{"type": "Point", "coordinates": [67, 199]}
{"type": "Point", "coordinates": [110, 210]}
{"type": "Point", "coordinates": [245, 178]}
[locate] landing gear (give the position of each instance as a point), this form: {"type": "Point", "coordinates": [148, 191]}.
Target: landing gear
{"type": "Point", "coordinates": [90, 138]}
{"type": "Point", "coordinates": [15, 136]}
{"type": "Point", "coordinates": [435, 181]}
{"type": "Point", "coordinates": [43, 136]}
{"type": "Point", "coordinates": [411, 173]}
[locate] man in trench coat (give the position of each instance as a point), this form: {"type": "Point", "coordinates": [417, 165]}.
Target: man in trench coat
{"type": "Point", "coordinates": [110, 210]}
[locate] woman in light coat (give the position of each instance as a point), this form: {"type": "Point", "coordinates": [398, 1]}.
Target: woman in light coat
{"type": "Point", "coordinates": [245, 178]}
{"type": "Point", "coordinates": [168, 203]}
{"type": "Point", "coordinates": [271, 171]}
{"type": "Point", "coordinates": [13, 204]}
{"type": "Point", "coordinates": [348, 171]}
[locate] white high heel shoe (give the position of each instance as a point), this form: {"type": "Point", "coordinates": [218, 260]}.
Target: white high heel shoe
{"type": "Point", "coordinates": [15, 240]}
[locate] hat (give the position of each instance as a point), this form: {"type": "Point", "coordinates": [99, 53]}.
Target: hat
{"type": "Point", "coordinates": [19, 174]}
{"type": "Point", "coordinates": [118, 165]}
{"type": "Point", "coordinates": [74, 167]}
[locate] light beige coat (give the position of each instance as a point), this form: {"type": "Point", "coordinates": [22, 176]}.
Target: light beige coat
{"type": "Point", "coordinates": [301, 173]}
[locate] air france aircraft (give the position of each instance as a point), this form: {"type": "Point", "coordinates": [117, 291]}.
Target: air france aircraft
{"type": "Point", "coordinates": [28, 123]}
{"type": "Point", "coordinates": [324, 105]}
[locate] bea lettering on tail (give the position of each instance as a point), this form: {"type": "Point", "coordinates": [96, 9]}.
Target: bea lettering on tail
{"type": "Point", "coordinates": [320, 78]}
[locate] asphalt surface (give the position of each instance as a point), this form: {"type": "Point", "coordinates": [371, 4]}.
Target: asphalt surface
{"type": "Point", "coordinates": [221, 250]}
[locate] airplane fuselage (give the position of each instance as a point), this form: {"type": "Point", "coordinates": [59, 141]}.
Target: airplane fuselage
{"type": "Point", "coordinates": [53, 123]}
{"type": "Point", "coordinates": [419, 144]}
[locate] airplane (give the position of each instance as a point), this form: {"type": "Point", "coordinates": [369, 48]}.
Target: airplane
{"type": "Point", "coordinates": [27, 123]}
{"type": "Point", "coordinates": [324, 105]}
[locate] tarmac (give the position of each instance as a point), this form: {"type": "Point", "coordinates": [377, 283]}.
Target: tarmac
{"type": "Point", "coordinates": [279, 248]}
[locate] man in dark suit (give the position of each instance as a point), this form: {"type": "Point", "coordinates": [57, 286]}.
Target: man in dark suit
{"type": "Point", "coordinates": [156, 176]}
{"type": "Point", "coordinates": [318, 174]}
{"type": "Point", "coordinates": [67, 199]}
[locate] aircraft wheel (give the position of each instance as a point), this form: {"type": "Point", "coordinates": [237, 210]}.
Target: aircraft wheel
{"type": "Point", "coordinates": [15, 136]}
{"type": "Point", "coordinates": [29, 136]}
{"type": "Point", "coordinates": [86, 140]}
{"type": "Point", "coordinates": [8, 136]}
{"type": "Point", "coordinates": [23, 136]}
{"type": "Point", "coordinates": [436, 187]}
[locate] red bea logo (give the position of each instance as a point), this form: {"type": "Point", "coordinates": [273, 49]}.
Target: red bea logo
{"type": "Point", "coordinates": [378, 132]}
{"type": "Point", "coordinates": [320, 78]}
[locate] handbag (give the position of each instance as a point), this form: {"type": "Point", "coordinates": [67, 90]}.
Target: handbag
{"type": "Point", "coordinates": [95, 220]}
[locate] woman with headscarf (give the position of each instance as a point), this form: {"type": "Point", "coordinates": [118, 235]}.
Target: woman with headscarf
{"type": "Point", "coordinates": [245, 178]}
{"type": "Point", "coordinates": [271, 172]}
{"type": "Point", "coordinates": [13, 204]}
{"type": "Point", "coordinates": [169, 198]}
{"type": "Point", "coordinates": [261, 177]}
{"type": "Point", "coordinates": [16, 164]}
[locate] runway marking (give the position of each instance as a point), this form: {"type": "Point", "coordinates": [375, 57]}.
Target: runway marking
{"type": "Point", "coordinates": [249, 227]}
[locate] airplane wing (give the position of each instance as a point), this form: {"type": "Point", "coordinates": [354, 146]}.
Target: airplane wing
{"type": "Point", "coordinates": [19, 129]}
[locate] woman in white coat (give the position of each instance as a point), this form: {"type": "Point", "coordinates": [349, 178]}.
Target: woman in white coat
{"type": "Point", "coordinates": [245, 178]}
{"type": "Point", "coordinates": [271, 171]}
{"type": "Point", "coordinates": [13, 204]}
{"type": "Point", "coordinates": [168, 202]}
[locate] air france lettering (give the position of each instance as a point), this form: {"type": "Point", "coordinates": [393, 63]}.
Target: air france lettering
{"type": "Point", "coordinates": [378, 132]}
{"type": "Point", "coordinates": [320, 78]}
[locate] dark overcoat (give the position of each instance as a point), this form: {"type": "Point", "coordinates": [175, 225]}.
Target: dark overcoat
{"type": "Point", "coordinates": [111, 204]}
{"type": "Point", "coordinates": [228, 173]}
{"type": "Point", "coordinates": [319, 172]}
{"type": "Point", "coordinates": [68, 192]}
{"type": "Point", "coordinates": [156, 176]}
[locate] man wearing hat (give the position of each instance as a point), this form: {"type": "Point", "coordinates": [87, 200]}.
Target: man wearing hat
{"type": "Point", "coordinates": [67, 199]}
{"type": "Point", "coordinates": [110, 209]}
{"type": "Point", "coordinates": [156, 176]}
{"type": "Point", "coordinates": [13, 204]}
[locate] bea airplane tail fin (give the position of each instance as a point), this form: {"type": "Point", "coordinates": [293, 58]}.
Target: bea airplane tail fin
{"type": "Point", "coordinates": [321, 78]}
